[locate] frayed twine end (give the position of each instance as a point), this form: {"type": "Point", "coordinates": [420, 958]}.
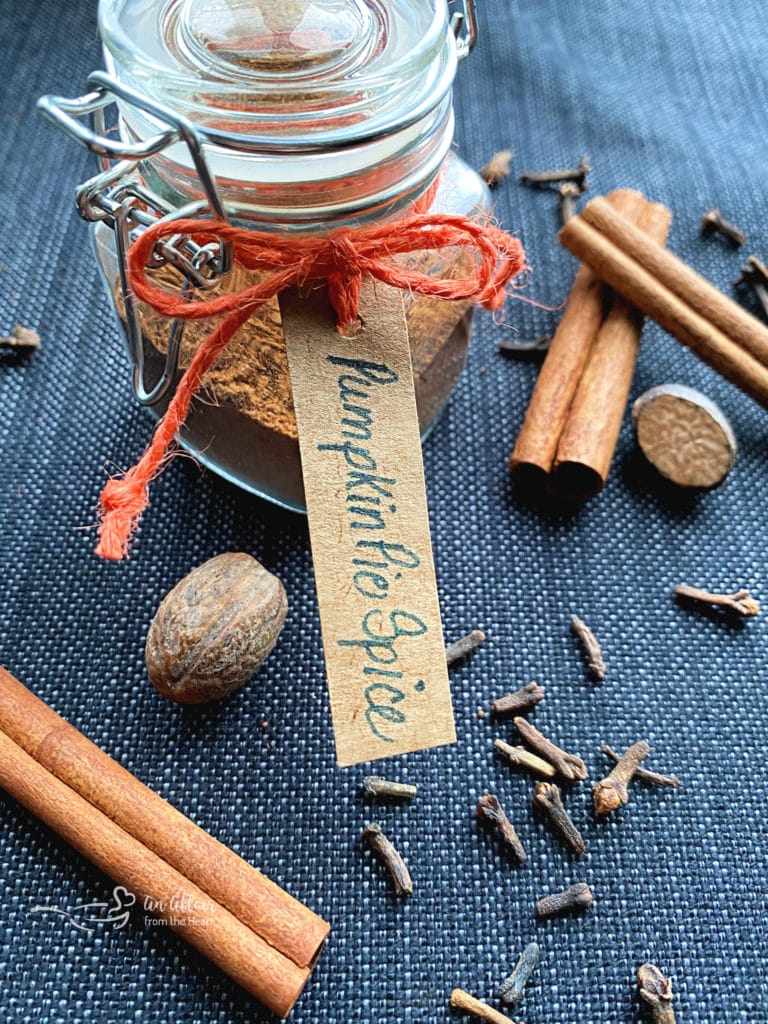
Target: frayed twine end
{"type": "Point", "coordinates": [122, 503]}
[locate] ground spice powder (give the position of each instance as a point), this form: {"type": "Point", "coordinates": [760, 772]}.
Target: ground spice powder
{"type": "Point", "coordinates": [243, 419]}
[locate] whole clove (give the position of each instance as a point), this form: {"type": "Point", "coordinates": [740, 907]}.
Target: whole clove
{"type": "Point", "coordinates": [461, 1000]}
{"type": "Point", "coordinates": [577, 175]}
{"type": "Point", "coordinates": [497, 168]}
{"type": "Point", "coordinates": [512, 988]}
{"type": "Point", "coordinates": [491, 813]}
{"type": "Point", "coordinates": [464, 646]}
{"type": "Point", "coordinates": [760, 291]}
{"type": "Point", "coordinates": [611, 792]}
{"type": "Point", "coordinates": [374, 838]}
{"type": "Point", "coordinates": [23, 340]}
{"type": "Point", "coordinates": [757, 269]}
{"type": "Point", "coordinates": [374, 786]}
{"type": "Point", "coordinates": [643, 774]}
{"type": "Point", "coordinates": [569, 193]}
{"type": "Point", "coordinates": [656, 990]}
{"type": "Point", "coordinates": [547, 799]}
{"type": "Point", "coordinates": [519, 757]}
{"type": "Point", "coordinates": [592, 649]}
{"type": "Point", "coordinates": [755, 275]}
{"type": "Point", "coordinates": [520, 701]}
{"type": "Point", "coordinates": [569, 766]}
{"type": "Point", "coordinates": [575, 897]}
{"type": "Point", "coordinates": [713, 222]}
{"type": "Point", "coordinates": [525, 348]}
{"type": "Point", "coordinates": [741, 603]}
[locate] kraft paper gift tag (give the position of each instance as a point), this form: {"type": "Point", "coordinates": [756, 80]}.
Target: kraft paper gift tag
{"type": "Point", "coordinates": [369, 526]}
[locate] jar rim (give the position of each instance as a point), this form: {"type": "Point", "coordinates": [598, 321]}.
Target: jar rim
{"type": "Point", "coordinates": [272, 114]}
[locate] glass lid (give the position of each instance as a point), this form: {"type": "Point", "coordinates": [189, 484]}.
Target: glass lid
{"type": "Point", "coordinates": [317, 71]}
{"type": "Point", "coordinates": [246, 40]}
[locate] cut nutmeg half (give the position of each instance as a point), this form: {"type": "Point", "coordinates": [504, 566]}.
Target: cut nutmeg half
{"type": "Point", "coordinates": [684, 436]}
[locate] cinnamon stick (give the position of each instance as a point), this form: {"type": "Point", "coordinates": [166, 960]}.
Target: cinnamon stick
{"type": "Point", "coordinates": [264, 972]}
{"type": "Point", "coordinates": [691, 319]}
{"type": "Point", "coordinates": [282, 921]}
{"type": "Point", "coordinates": [591, 430]}
{"type": "Point", "coordinates": [671, 272]}
{"type": "Point", "coordinates": [536, 445]}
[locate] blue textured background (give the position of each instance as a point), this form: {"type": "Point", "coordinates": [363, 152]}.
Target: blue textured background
{"type": "Point", "coordinates": [669, 98]}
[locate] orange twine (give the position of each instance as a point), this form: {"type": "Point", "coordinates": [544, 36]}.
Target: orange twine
{"type": "Point", "coordinates": [341, 258]}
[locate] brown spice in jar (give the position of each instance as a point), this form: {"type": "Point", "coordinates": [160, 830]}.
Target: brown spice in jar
{"type": "Point", "coordinates": [244, 419]}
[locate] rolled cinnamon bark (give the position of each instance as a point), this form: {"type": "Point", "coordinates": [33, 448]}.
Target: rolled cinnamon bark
{"type": "Point", "coordinates": [592, 427]}
{"type": "Point", "coordinates": [536, 446]}
{"type": "Point", "coordinates": [271, 977]}
{"type": "Point", "coordinates": [282, 921]}
{"type": "Point", "coordinates": [691, 324]}
{"type": "Point", "coordinates": [671, 272]}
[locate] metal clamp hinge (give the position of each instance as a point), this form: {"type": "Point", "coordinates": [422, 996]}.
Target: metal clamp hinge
{"type": "Point", "coordinates": [118, 197]}
{"type": "Point", "coordinates": [464, 25]}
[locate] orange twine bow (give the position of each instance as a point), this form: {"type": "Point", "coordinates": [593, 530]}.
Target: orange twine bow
{"type": "Point", "coordinates": [341, 258]}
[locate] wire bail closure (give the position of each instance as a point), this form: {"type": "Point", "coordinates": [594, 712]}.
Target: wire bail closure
{"type": "Point", "coordinates": [464, 25]}
{"type": "Point", "coordinates": [118, 197]}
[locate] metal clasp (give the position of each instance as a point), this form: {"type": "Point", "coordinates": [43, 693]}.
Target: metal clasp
{"type": "Point", "coordinates": [464, 26]}
{"type": "Point", "coordinates": [106, 90]}
{"type": "Point", "coordinates": [200, 266]}
{"type": "Point", "coordinates": [118, 197]}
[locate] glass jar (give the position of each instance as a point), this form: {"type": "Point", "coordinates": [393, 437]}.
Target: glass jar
{"type": "Point", "coordinates": [288, 117]}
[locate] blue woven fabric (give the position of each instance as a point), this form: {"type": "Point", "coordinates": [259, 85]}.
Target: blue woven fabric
{"type": "Point", "coordinates": [671, 99]}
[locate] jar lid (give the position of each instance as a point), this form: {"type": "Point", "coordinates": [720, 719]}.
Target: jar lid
{"type": "Point", "coordinates": [285, 74]}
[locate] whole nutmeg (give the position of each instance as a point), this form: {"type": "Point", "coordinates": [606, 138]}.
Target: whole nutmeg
{"type": "Point", "coordinates": [214, 629]}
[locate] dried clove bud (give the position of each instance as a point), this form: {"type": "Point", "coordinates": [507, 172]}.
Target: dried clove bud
{"type": "Point", "coordinates": [463, 646]}
{"type": "Point", "coordinates": [569, 193]}
{"type": "Point", "coordinates": [656, 990]}
{"type": "Point", "coordinates": [713, 222]}
{"type": "Point", "coordinates": [390, 858]}
{"type": "Point", "coordinates": [568, 765]}
{"type": "Point", "coordinates": [761, 294]}
{"type": "Point", "coordinates": [491, 813]}
{"type": "Point", "coordinates": [23, 340]}
{"type": "Point", "coordinates": [497, 168]}
{"type": "Point", "coordinates": [577, 175]}
{"type": "Point", "coordinates": [757, 269]}
{"type": "Point", "coordinates": [742, 603]}
{"type": "Point", "coordinates": [461, 1000]}
{"type": "Point", "coordinates": [525, 348]}
{"type": "Point", "coordinates": [595, 662]}
{"type": "Point", "coordinates": [653, 778]}
{"type": "Point", "coordinates": [576, 897]}
{"type": "Point", "coordinates": [520, 701]}
{"type": "Point", "coordinates": [519, 757]}
{"type": "Point", "coordinates": [512, 988]}
{"type": "Point", "coordinates": [547, 798]}
{"type": "Point", "coordinates": [611, 792]}
{"type": "Point", "coordinates": [375, 787]}
{"type": "Point", "coordinates": [755, 276]}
